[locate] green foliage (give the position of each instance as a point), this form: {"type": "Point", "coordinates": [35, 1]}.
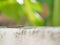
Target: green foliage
{"type": "Point", "coordinates": [14, 11]}
{"type": "Point", "coordinates": [54, 16]}
{"type": "Point", "coordinates": [48, 20]}
{"type": "Point", "coordinates": [56, 13]}
{"type": "Point", "coordinates": [31, 17]}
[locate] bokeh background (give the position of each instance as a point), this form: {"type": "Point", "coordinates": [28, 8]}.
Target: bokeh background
{"type": "Point", "coordinates": [29, 13]}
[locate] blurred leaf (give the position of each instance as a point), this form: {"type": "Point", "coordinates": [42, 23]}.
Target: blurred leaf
{"type": "Point", "coordinates": [12, 10]}
{"type": "Point", "coordinates": [30, 7]}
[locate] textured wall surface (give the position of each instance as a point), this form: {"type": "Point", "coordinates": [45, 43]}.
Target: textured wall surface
{"type": "Point", "coordinates": [30, 36]}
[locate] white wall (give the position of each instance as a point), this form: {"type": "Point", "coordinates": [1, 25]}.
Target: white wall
{"type": "Point", "coordinates": [30, 36]}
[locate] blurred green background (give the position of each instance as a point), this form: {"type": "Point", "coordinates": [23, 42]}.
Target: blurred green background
{"type": "Point", "coordinates": [30, 12]}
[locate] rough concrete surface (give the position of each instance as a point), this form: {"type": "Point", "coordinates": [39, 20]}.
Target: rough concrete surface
{"type": "Point", "coordinates": [30, 36]}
